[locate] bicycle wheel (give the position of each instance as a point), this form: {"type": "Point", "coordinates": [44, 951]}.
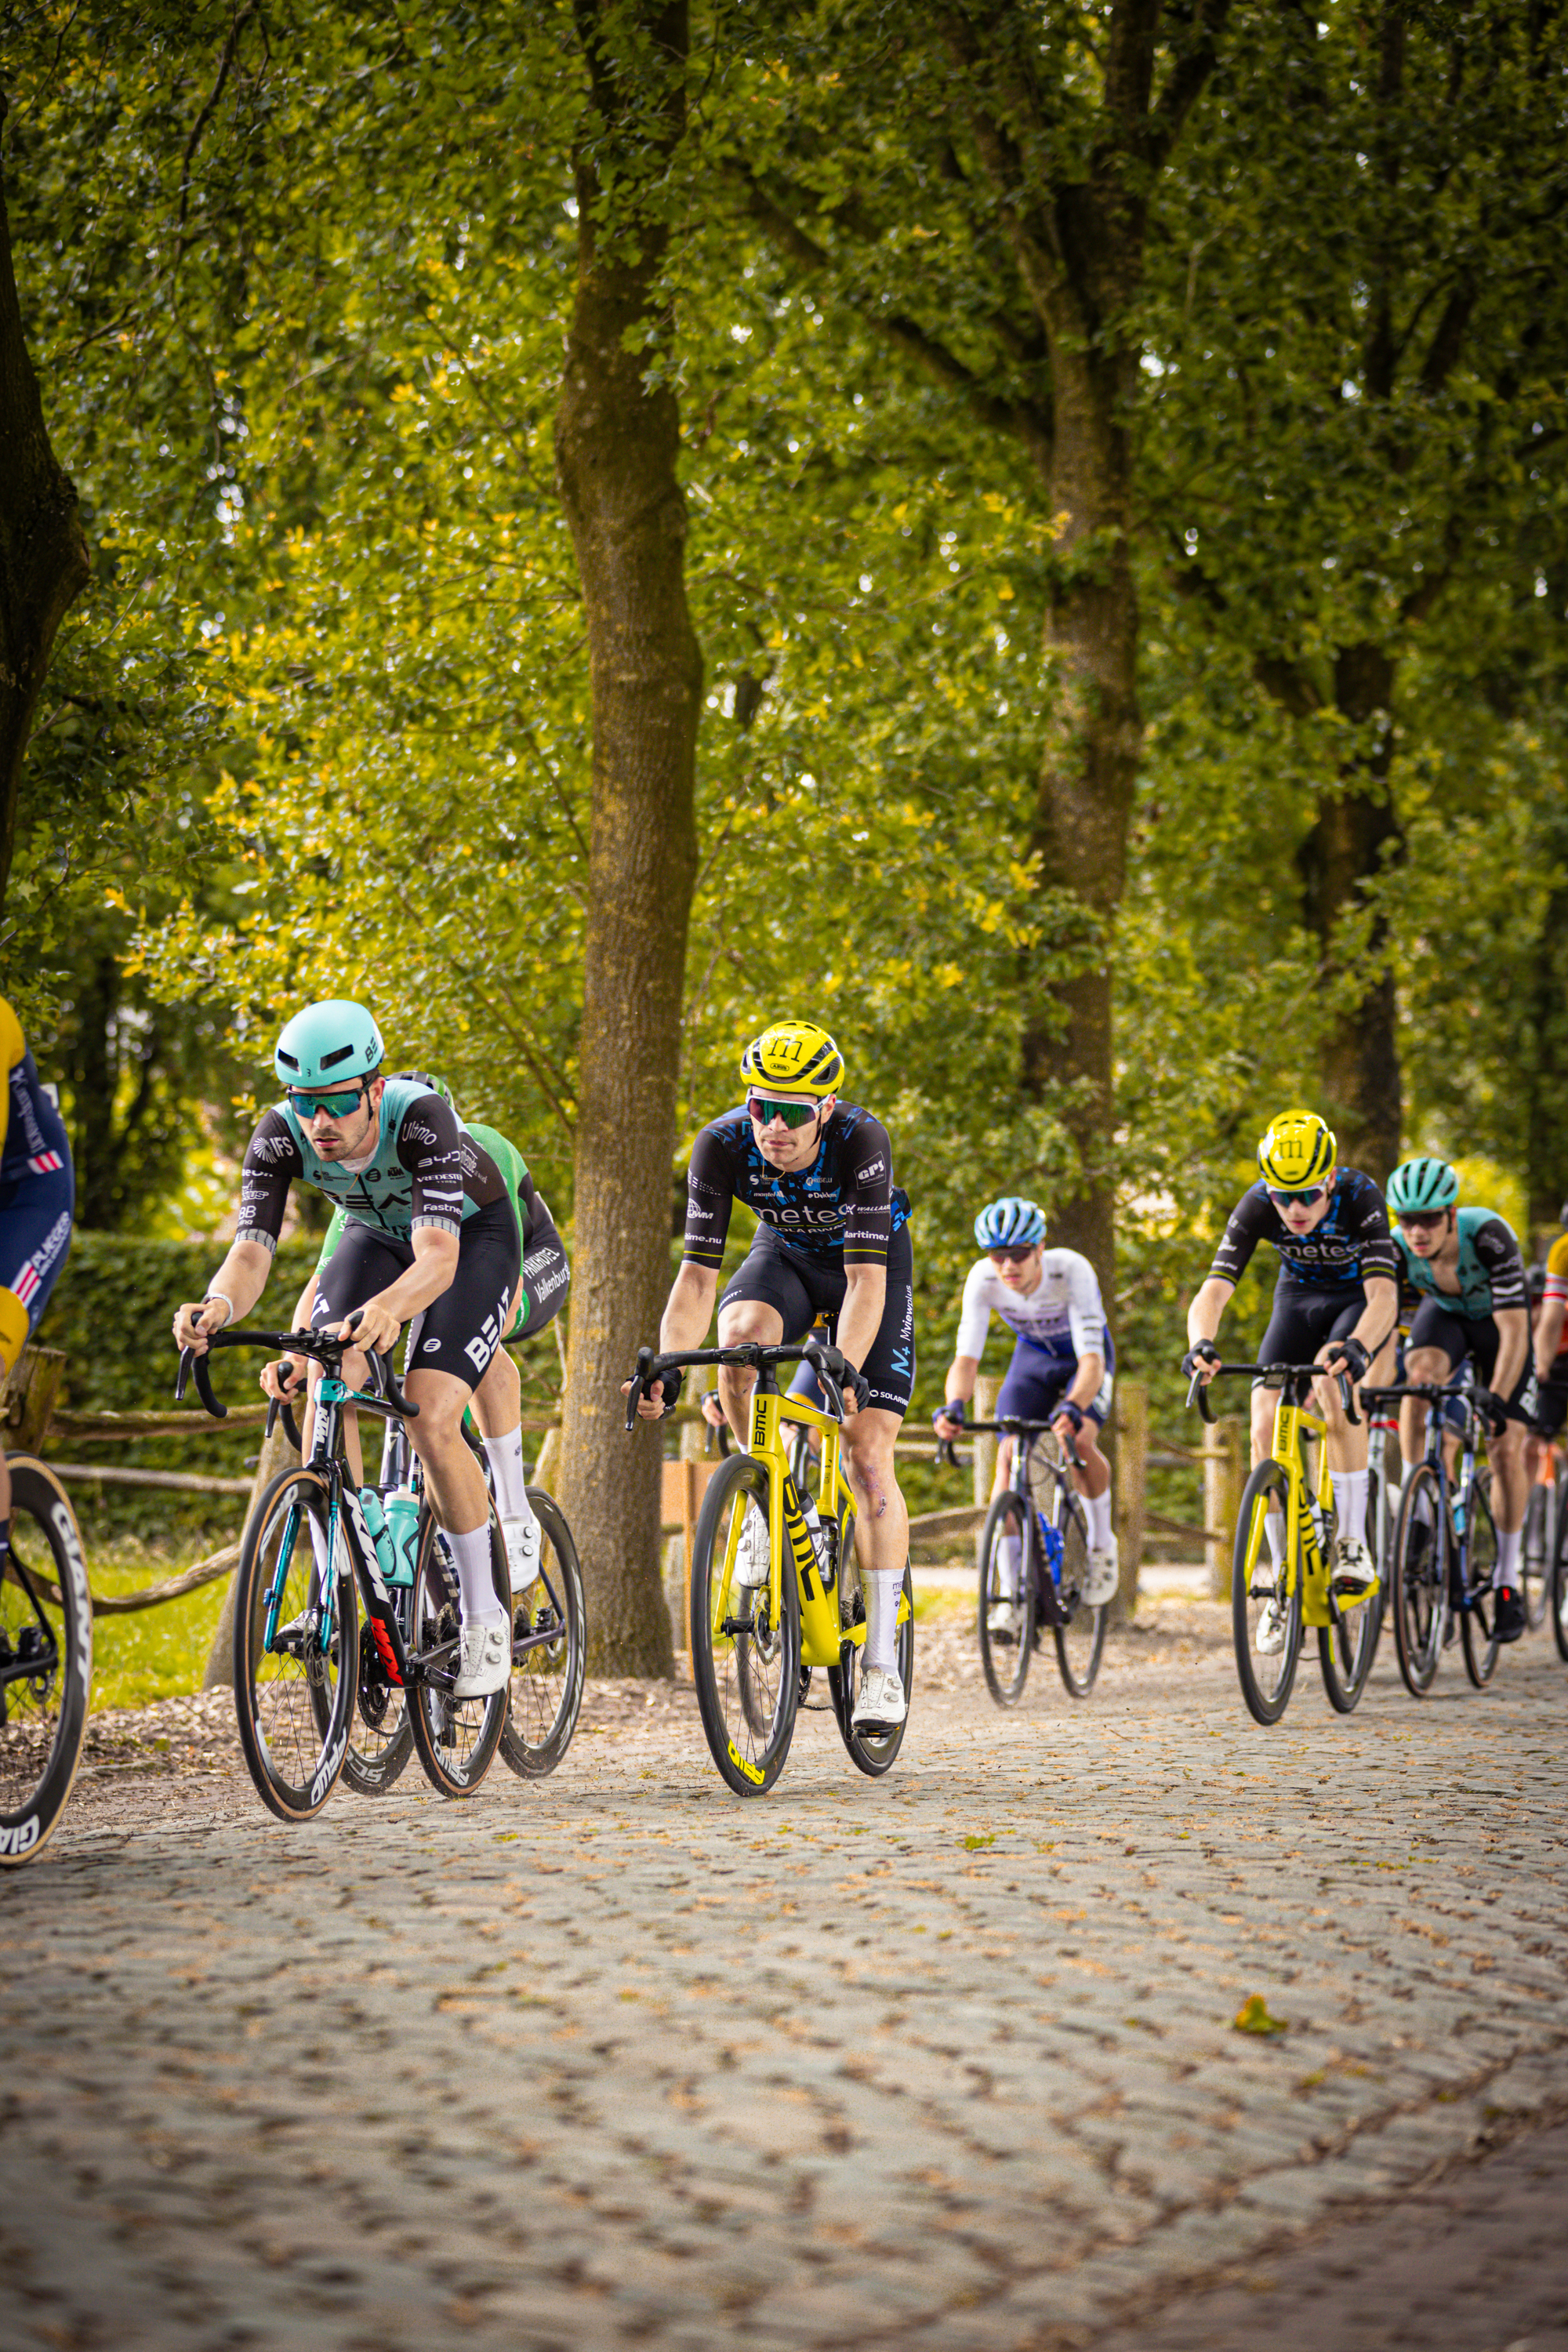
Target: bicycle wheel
{"type": "Point", "coordinates": [1008, 1593]}
{"type": "Point", "coordinates": [1081, 1640]}
{"type": "Point", "coordinates": [1265, 1601]}
{"type": "Point", "coordinates": [454, 1738]}
{"type": "Point", "coordinates": [549, 1647]}
{"type": "Point", "coordinates": [1347, 1648]}
{"type": "Point", "coordinates": [1559, 1605]}
{"type": "Point", "coordinates": [381, 1736]}
{"type": "Point", "coordinates": [1535, 1553]}
{"type": "Point", "coordinates": [871, 1752]}
{"type": "Point", "coordinates": [1419, 1579]}
{"type": "Point", "coordinates": [46, 1661]}
{"type": "Point", "coordinates": [746, 1668]}
{"type": "Point", "coordinates": [294, 1697]}
{"type": "Point", "coordinates": [1477, 1624]}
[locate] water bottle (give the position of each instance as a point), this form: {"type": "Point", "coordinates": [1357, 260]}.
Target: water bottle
{"type": "Point", "coordinates": [402, 1528]}
{"type": "Point", "coordinates": [376, 1520]}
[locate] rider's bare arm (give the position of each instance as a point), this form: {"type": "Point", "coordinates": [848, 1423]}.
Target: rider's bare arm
{"type": "Point", "coordinates": [1204, 1315]}
{"type": "Point", "coordinates": [860, 1316]}
{"type": "Point", "coordinates": [240, 1280]}
{"type": "Point", "coordinates": [959, 1388]}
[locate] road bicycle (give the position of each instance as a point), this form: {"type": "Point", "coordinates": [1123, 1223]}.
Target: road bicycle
{"type": "Point", "coordinates": [1544, 1532]}
{"type": "Point", "coordinates": [1445, 1545]}
{"type": "Point", "coordinates": [298, 1637]}
{"type": "Point", "coordinates": [46, 1660]}
{"type": "Point", "coordinates": [1040, 1514]}
{"type": "Point", "coordinates": [754, 1649]}
{"type": "Point", "coordinates": [1272, 1597]}
{"type": "Point", "coordinates": [549, 1645]}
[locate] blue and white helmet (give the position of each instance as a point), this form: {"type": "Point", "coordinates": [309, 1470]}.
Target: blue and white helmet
{"type": "Point", "coordinates": [1009, 1223]}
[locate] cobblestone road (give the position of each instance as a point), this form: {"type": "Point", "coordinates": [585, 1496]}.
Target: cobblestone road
{"type": "Point", "coordinates": [945, 2061]}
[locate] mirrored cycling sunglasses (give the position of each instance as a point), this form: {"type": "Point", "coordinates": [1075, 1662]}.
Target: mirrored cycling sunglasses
{"type": "Point", "coordinates": [1423, 1219]}
{"type": "Point", "coordinates": [1306, 1197]}
{"type": "Point", "coordinates": [765, 1110]}
{"type": "Point", "coordinates": [336, 1106]}
{"type": "Point", "coordinates": [1010, 1253]}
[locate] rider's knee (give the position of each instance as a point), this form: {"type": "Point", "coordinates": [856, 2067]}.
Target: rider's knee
{"type": "Point", "coordinates": [748, 1318]}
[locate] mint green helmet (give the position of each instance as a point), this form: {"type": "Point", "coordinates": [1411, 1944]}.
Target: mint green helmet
{"type": "Point", "coordinates": [1422, 1184]}
{"type": "Point", "coordinates": [328, 1044]}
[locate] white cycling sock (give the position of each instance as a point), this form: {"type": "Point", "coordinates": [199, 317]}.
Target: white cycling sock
{"type": "Point", "coordinates": [882, 1587]}
{"type": "Point", "coordinates": [1273, 1529]}
{"type": "Point", "coordinates": [1349, 1504]}
{"type": "Point", "coordinates": [471, 1558]}
{"type": "Point", "coordinates": [1421, 1508]}
{"type": "Point", "coordinates": [1098, 1508]}
{"type": "Point", "coordinates": [1507, 1569]}
{"type": "Point", "coordinates": [504, 1455]}
{"type": "Point", "coordinates": [1007, 1562]}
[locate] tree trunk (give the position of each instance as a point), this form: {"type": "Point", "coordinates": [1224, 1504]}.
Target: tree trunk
{"type": "Point", "coordinates": [616, 443]}
{"type": "Point", "coordinates": [1546, 1133]}
{"type": "Point", "coordinates": [1084, 803]}
{"type": "Point", "coordinates": [1342, 860]}
{"type": "Point", "coordinates": [43, 554]}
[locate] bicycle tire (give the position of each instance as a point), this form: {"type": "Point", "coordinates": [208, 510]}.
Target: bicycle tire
{"type": "Point", "coordinates": [1009, 1510]}
{"type": "Point", "coordinates": [1266, 1694]}
{"type": "Point", "coordinates": [546, 1699]}
{"type": "Point", "coordinates": [1419, 1589]}
{"type": "Point", "coordinates": [1559, 1607]}
{"type": "Point", "coordinates": [1081, 1640]}
{"type": "Point", "coordinates": [1346, 1649]}
{"type": "Point", "coordinates": [733, 1671]}
{"type": "Point", "coordinates": [293, 1757]}
{"type": "Point", "coordinates": [875, 1753]}
{"type": "Point", "coordinates": [454, 1738]}
{"type": "Point", "coordinates": [46, 1616]}
{"type": "Point", "coordinates": [1477, 1625]}
{"type": "Point", "coordinates": [375, 1760]}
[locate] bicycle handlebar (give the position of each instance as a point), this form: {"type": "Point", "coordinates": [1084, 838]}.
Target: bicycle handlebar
{"type": "Point", "coordinates": [1199, 1390]}
{"type": "Point", "coordinates": [828, 1363]}
{"type": "Point", "coordinates": [328, 1352]}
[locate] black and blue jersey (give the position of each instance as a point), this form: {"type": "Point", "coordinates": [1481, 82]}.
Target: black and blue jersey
{"type": "Point", "coordinates": [1351, 1243]}
{"type": "Point", "coordinates": [842, 1210]}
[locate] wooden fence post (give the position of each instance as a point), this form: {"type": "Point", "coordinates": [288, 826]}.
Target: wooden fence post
{"type": "Point", "coordinates": [986, 1390]}
{"type": "Point", "coordinates": [277, 1453]}
{"type": "Point", "coordinates": [1131, 1452]}
{"type": "Point", "coordinates": [1225, 1476]}
{"type": "Point", "coordinates": [28, 1399]}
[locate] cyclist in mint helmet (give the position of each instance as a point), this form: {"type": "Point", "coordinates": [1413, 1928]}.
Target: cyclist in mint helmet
{"type": "Point", "coordinates": [431, 1239]}
{"type": "Point", "coordinates": [1465, 1267]}
{"type": "Point", "coordinates": [1061, 1371]}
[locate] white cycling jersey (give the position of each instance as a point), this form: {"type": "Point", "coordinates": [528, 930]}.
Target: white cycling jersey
{"type": "Point", "coordinates": [1064, 1314]}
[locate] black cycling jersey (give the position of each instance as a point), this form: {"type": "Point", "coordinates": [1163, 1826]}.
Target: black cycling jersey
{"type": "Point", "coordinates": [1349, 1244]}
{"type": "Point", "coordinates": [842, 1210]}
{"type": "Point", "coordinates": [426, 1170]}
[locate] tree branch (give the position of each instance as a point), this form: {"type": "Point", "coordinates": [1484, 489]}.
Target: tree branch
{"type": "Point", "coordinates": [1186, 80]}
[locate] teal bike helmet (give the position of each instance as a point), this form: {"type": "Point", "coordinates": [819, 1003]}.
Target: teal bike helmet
{"type": "Point", "coordinates": [1421, 1184]}
{"type": "Point", "coordinates": [1010, 1222]}
{"type": "Point", "coordinates": [328, 1044]}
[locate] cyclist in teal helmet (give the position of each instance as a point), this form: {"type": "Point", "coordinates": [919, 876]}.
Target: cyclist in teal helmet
{"type": "Point", "coordinates": [431, 1239]}
{"type": "Point", "coordinates": [1466, 1268]}
{"type": "Point", "coordinates": [1060, 1371]}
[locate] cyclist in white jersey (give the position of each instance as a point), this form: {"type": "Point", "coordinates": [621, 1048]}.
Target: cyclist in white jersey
{"type": "Point", "coordinates": [1063, 1358]}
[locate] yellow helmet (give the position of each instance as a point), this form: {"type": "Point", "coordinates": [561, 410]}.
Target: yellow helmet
{"type": "Point", "coordinates": [795, 1055]}
{"type": "Point", "coordinates": [1297, 1151]}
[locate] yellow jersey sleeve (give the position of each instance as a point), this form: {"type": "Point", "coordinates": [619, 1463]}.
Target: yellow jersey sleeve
{"type": "Point", "coordinates": [13, 1045]}
{"type": "Point", "coordinates": [1557, 1268]}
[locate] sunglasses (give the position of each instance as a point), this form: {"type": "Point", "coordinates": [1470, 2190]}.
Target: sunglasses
{"type": "Point", "coordinates": [1306, 1197]}
{"type": "Point", "coordinates": [1011, 1255]}
{"type": "Point", "coordinates": [336, 1106]}
{"type": "Point", "coordinates": [765, 1110]}
{"type": "Point", "coordinates": [1423, 1219]}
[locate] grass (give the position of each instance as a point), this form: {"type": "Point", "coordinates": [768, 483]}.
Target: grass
{"type": "Point", "coordinates": [158, 1652]}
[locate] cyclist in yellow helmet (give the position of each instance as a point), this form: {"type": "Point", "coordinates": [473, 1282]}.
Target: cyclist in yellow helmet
{"type": "Point", "coordinates": [1336, 1303]}
{"type": "Point", "coordinates": [833, 1238]}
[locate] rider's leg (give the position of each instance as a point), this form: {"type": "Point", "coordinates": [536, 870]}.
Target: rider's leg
{"type": "Point", "coordinates": [455, 1483]}
{"type": "Point", "coordinates": [881, 1528]}
{"type": "Point", "coordinates": [766, 1300]}
{"type": "Point", "coordinates": [745, 1319]}
{"type": "Point", "coordinates": [497, 1408]}
{"type": "Point", "coordinates": [1510, 1494]}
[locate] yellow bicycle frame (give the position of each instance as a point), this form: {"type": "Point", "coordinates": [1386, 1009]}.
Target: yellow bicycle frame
{"type": "Point", "coordinates": [822, 1639]}
{"type": "Point", "coordinates": [1318, 1606]}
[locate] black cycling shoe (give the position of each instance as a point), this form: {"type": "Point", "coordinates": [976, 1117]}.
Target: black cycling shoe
{"type": "Point", "coordinates": [1509, 1620]}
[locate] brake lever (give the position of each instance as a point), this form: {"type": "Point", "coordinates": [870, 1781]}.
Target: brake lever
{"type": "Point", "coordinates": [1199, 1394]}
{"type": "Point", "coordinates": [1351, 1413]}
{"type": "Point", "coordinates": [182, 1377]}
{"type": "Point", "coordinates": [639, 1388]}
{"type": "Point", "coordinates": [945, 1454]}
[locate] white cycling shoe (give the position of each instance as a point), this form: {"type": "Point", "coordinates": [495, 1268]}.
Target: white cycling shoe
{"type": "Point", "coordinates": [521, 1540]}
{"type": "Point", "coordinates": [752, 1554]}
{"type": "Point", "coordinates": [879, 1704]}
{"type": "Point", "coordinates": [486, 1664]}
{"type": "Point", "coordinates": [1269, 1638]}
{"type": "Point", "coordinates": [1104, 1574]}
{"type": "Point", "coordinates": [1354, 1572]}
{"type": "Point", "coordinates": [1002, 1617]}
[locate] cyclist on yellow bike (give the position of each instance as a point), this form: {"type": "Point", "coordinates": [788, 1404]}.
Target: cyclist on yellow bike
{"type": "Point", "coordinates": [1336, 1303]}
{"type": "Point", "coordinates": [832, 1238]}
{"type": "Point", "coordinates": [38, 1201]}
